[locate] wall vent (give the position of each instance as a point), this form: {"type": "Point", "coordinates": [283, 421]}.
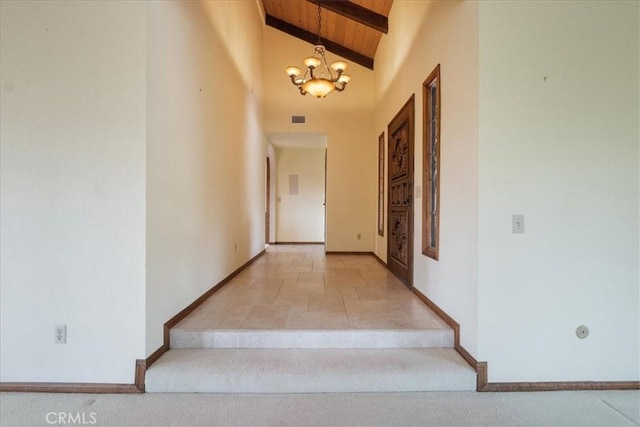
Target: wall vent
{"type": "Point", "coordinates": [298, 119]}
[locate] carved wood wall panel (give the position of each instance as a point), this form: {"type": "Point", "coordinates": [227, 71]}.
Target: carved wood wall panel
{"type": "Point", "coordinates": [398, 237]}
{"type": "Point", "coordinates": [400, 154]}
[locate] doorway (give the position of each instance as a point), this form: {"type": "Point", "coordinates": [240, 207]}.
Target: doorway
{"type": "Point", "coordinates": [299, 182]}
{"type": "Point", "coordinates": [400, 193]}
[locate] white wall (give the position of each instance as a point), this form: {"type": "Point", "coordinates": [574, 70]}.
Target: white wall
{"type": "Point", "coordinates": [559, 144]}
{"type": "Point", "coordinates": [346, 119]}
{"type": "Point", "coordinates": [206, 151]}
{"type": "Point", "coordinates": [300, 217]}
{"type": "Point", "coordinates": [73, 183]}
{"type": "Point", "coordinates": [423, 35]}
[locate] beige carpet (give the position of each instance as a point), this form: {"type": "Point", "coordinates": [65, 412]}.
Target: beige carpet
{"type": "Point", "coordinates": [613, 408]}
{"type": "Point", "coordinates": [310, 371]}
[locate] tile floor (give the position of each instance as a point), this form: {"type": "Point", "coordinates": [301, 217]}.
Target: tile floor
{"type": "Point", "coordinates": [298, 287]}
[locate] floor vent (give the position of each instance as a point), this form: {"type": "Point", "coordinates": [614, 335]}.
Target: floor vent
{"type": "Point", "coordinates": [298, 119]}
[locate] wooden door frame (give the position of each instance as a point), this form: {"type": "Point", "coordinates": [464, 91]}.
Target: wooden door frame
{"type": "Point", "coordinates": [267, 211]}
{"type": "Point", "coordinates": [406, 114]}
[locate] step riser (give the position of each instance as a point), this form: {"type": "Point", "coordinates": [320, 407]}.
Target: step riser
{"type": "Point", "coordinates": [309, 371]}
{"type": "Point", "coordinates": [312, 339]}
{"type": "Point", "coordinates": [399, 384]}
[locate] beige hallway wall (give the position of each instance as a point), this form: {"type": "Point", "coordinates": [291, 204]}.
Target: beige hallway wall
{"type": "Point", "coordinates": [206, 151]}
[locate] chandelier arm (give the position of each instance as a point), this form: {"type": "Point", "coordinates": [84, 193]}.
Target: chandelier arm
{"type": "Point", "coordinates": [326, 65]}
{"type": "Point", "coordinates": [340, 88]}
{"type": "Point", "coordinates": [336, 78]}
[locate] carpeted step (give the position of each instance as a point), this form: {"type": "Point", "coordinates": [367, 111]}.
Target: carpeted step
{"type": "Point", "coordinates": [309, 371]}
{"type": "Point", "coordinates": [251, 338]}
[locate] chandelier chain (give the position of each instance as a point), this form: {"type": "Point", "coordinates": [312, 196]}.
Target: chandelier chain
{"type": "Point", "coordinates": [319, 23]}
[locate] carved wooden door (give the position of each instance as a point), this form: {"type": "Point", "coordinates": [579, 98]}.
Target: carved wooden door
{"type": "Point", "coordinates": [400, 194]}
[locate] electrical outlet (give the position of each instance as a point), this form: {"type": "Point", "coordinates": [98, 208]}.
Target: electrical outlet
{"type": "Point", "coordinates": [517, 224]}
{"type": "Point", "coordinates": [61, 334]}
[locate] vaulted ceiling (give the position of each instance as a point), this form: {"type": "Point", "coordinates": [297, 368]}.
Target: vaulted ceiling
{"type": "Point", "coordinates": [350, 28]}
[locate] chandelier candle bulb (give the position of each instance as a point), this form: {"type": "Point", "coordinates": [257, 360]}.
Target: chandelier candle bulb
{"type": "Point", "coordinates": [312, 62]}
{"type": "Point", "coordinates": [292, 71]}
{"type": "Point", "coordinates": [339, 66]}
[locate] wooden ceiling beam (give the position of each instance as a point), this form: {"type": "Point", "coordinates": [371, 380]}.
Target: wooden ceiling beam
{"type": "Point", "coordinates": [356, 13]}
{"type": "Point", "coordinates": [312, 38]}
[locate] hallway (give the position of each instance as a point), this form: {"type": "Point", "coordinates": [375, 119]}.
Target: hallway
{"type": "Point", "coordinates": [299, 287]}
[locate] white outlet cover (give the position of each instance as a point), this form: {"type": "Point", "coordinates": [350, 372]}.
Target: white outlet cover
{"type": "Point", "coordinates": [61, 334]}
{"type": "Point", "coordinates": [517, 223]}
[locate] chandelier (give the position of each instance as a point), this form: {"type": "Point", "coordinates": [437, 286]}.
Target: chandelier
{"type": "Point", "coordinates": [318, 79]}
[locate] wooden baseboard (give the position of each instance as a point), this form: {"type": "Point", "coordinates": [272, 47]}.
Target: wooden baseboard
{"type": "Point", "coordinates": [297, 243]}
{"type": "Point", "coordinates": [155, 355]}
{"type": "Point", "coordinates": [563, 386]}
{"type": "Point", "coordinates": [479, 367]}
{"type": "Point", "coordinates": [93, 388]}
{"type": "Point", "coordinates": [441, 314]}
{"type": "Point", "coordinates": [141, 368]}
{"type": "Point", "coordinates": [379, 259]}
{"type": "Point", "coordinates": [348, 253]}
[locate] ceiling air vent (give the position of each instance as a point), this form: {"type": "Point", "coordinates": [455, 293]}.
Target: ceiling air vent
{"type": "Point", "coordinates": [298, 119]}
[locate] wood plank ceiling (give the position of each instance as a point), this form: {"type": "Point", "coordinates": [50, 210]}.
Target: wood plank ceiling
{"type": "Point", "coordinates": [350, 28]}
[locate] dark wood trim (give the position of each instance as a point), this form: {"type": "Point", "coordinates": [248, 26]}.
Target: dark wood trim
{"type": "Point", "coordinates": [373, 254]}
{"type": "Point", "coordinates": [309, 37]}
{"type": "Point", "coordinates": [141, 369]}
{"type": "Point", "coordinates": [563, 386]}
{"type": "Point", "coordinates": [432, 251]}
{"type": "Point", "coordinates": [156, 354]}
{"type": "Point", "coordinates": [479, 367]}
{"type": "Point", "coordinates": [381, 146]}
{"type": "Point", "coordinates": [297, 243]}
{"type": "Point", "coordinates": [441, 314]}
{"type": "Point", "coordinates": [482, 369]}
{"type": "Point", "coordinates": [356, 13]}
{"type": "Point", "coordinates": [93, 388]}
{"type": "Point", "coordinates": [377, 258]}
{"type": "Point", "coordinates": [348, 253]}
